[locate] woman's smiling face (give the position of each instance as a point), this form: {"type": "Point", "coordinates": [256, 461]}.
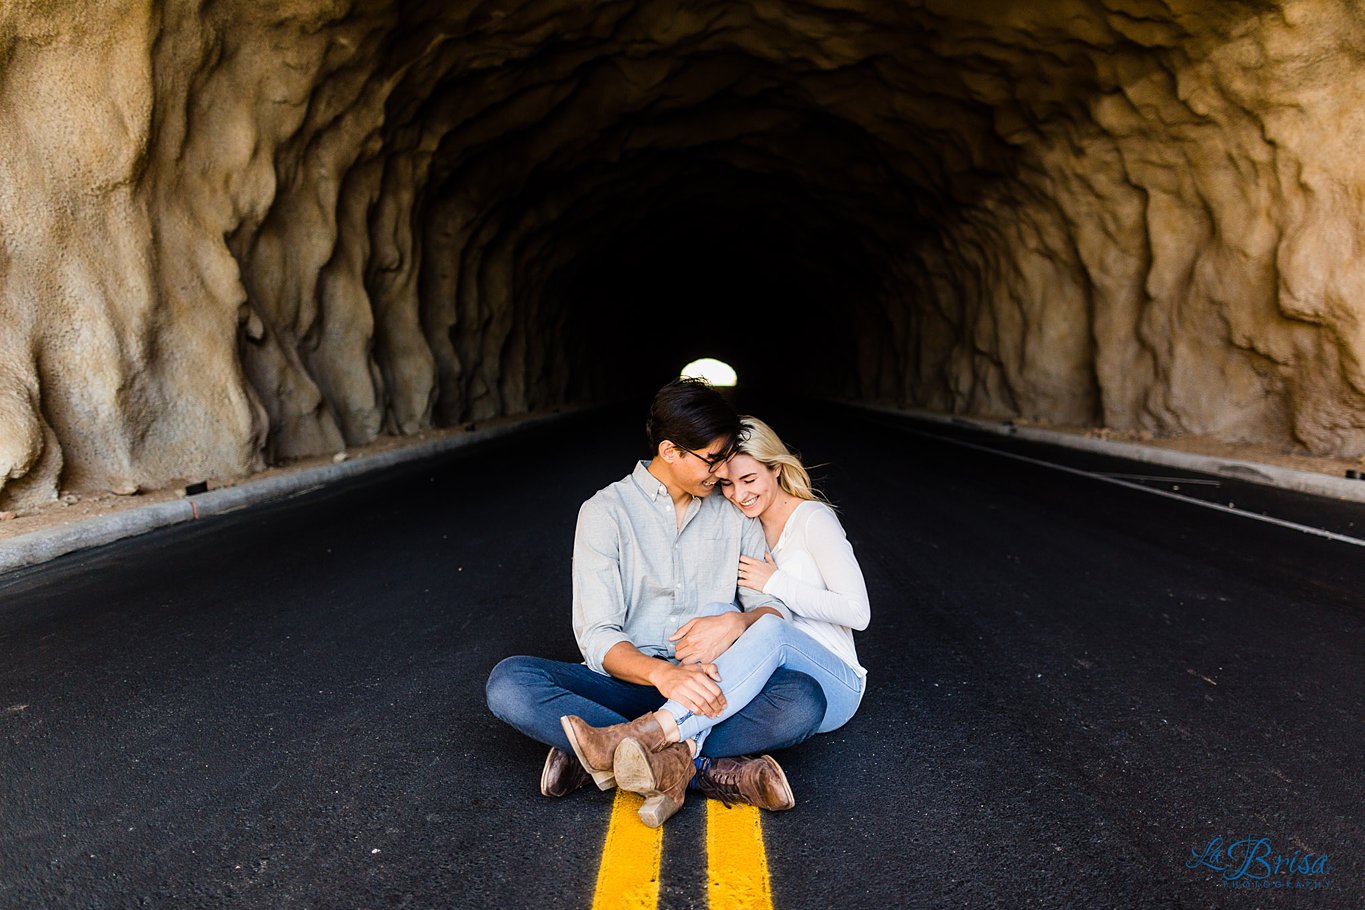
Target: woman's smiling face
{"type": "Point", "coordinates": [749, 484]}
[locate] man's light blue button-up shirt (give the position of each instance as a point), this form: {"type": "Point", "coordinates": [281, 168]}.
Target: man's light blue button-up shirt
{"type": "Point", "coordinates": [638, 577]}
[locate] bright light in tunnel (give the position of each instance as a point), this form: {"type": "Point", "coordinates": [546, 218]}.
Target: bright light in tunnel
{"type": "Point", "coordinates": [716, 372]}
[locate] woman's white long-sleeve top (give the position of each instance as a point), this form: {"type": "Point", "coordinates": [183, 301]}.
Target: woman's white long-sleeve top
{"type": "Point", "coordinates": [819, 580]}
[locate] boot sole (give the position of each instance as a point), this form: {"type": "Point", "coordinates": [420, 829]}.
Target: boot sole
{"type": "Point", "coordinates": [605, 780]}
{"type": "Point", "coordinates": [634, 774]}
{"type": "Point", "coordinates": [790, 801]}
{"type": "Point", "coordinates": [545, 778]}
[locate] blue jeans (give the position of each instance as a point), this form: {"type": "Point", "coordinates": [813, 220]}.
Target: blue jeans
{"type": "Point", "coordinates": [772, 645]}
{"type": "Point", "coordinates": [531, 694]}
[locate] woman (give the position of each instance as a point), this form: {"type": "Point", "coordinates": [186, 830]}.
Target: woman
{"type": "Point", "coordinates": [813, 571]}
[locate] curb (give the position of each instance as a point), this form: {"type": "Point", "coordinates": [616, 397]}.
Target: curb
{"type": "Point", "coordinates": [1250, 471]}
{"type": "Point", "coordinates": [42, 546]}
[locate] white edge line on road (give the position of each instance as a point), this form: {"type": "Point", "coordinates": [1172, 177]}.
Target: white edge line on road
{"type": "Point", "coordinates": [1312, 482]}
{"type": "Point", "coordinates": [1292, 525]}
{"type": "Point", "coordinates": [1193, 481]}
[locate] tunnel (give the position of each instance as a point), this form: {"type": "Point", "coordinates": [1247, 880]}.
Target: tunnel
{"type": "Point", "coordinates": [235, 234]}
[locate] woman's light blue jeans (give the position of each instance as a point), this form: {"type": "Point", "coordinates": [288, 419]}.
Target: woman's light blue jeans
{"type": "Point", "coordinates": [769, 644]}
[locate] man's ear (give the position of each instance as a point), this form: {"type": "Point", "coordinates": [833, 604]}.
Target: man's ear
{"type": "Point", "coordinates": [668, 451]}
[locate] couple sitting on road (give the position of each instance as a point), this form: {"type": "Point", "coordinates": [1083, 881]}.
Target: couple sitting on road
{"type": "Point", "coordinates": [657, 564]}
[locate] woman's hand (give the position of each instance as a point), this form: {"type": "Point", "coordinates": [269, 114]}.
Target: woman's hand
{"type": "Point", "coordinates": [755, 574]}
{"type": "Point", "coordinates": [693, 686]}
{"type": "Point", "coordinates": [705, 638]}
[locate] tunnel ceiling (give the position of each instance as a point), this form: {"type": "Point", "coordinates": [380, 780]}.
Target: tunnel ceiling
{"type": "Point", "coordinates": [239, 232]}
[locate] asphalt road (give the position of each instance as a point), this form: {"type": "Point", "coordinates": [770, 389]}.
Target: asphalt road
{"type": "Point", "coordinates": [1073, 684]}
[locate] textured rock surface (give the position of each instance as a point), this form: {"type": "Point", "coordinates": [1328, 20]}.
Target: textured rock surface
{"type": "Point", "coordinates": [236, 232]}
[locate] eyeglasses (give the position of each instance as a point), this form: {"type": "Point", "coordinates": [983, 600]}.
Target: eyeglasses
{"type": "Point", "coordinates": [713, 461]}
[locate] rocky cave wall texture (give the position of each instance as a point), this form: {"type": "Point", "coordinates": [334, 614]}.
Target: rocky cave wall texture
{"type": "Point", "coordinates": [235, 232]}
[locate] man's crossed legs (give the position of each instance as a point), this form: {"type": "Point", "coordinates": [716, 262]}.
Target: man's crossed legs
{"type": "Point", "coordinates": [532, 693]}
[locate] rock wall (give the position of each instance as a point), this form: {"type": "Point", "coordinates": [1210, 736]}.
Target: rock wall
{"type": "Point", "coordinates": [233, 233]}
{"type": "Point", "coordinates": [1177, 256]}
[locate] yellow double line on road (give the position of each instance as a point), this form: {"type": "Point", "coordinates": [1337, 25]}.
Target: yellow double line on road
{"type": "Point", "coordinates": [628, 878]}
{"type": "Point", "coordinates": [736, 863]}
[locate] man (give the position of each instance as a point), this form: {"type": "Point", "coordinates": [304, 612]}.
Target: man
{"type": "Point", "coordinates": [654, 555]}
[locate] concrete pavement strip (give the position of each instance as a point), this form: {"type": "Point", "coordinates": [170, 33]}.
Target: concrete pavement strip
{"type": "Point", "coordinates": [41, 546]}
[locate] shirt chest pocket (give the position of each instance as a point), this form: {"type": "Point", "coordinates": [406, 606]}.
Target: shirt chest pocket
{"type": "Point", "coordinates": [712, 565]}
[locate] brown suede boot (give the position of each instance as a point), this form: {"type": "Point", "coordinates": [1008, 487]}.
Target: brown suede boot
{"type": "Point", "coordinates": [562, 774]}
{"type": "Point", "coordinates": [756, 781]}
{"type": "Point", "coordinates": [661, 776]}
{"type": "Point", "coordinates": [596, 746]}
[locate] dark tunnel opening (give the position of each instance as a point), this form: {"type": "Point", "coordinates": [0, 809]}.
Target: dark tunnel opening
{"type": "Point", "coordinates": [628, 248]}
{"type": "Point", "coordinates": [716, 262]}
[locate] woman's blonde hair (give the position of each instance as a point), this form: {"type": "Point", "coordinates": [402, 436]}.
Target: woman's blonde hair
{"type": "Point", "coordinates": [759, 442]}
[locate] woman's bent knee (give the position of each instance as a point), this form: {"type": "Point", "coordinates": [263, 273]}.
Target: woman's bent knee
{"type": "Point", "coordinates": [767, 630]}
{"type": "Point", "coordinates": [717, 608]}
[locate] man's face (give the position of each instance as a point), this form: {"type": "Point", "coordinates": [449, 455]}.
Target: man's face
{"type": "Point", "coordinates": [694, 470]}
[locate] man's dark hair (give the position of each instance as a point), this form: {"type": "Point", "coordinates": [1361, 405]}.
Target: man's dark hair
{"type": "Point", "coordinates": [689, 413]}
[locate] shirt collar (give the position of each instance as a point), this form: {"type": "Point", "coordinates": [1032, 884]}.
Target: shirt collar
{"type": "Point", "coordinates": [649, 485]}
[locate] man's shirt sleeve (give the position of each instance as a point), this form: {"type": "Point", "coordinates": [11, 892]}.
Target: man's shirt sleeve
{"type": "Point", "coordinates": [599, 603]}
{"type": "Point", "coordinates": [752, 543]}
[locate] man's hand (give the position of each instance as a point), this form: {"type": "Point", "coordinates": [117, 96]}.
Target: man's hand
{"type": "Point", "coordinates": [693, 686]}
{"type": "Point", "coordinates": [707, 637]}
